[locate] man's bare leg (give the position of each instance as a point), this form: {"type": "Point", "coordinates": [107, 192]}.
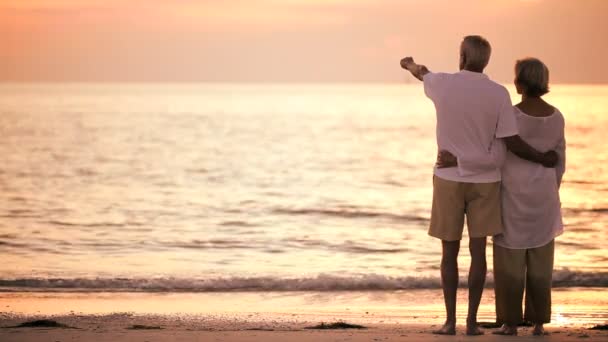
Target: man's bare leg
{"type": "Point", "coordinates": [449, 283]}
{"type": "Point", "coordinates": [477, 280]}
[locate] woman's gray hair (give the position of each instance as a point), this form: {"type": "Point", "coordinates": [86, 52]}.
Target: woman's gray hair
{"type": "Point", "coordinates": [532, 75]}
{"type": "Point", "coordinates": [477, 51]}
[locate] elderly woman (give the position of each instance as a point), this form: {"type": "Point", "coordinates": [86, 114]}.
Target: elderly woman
{"type": "Point", "coordinates": [531, 210]}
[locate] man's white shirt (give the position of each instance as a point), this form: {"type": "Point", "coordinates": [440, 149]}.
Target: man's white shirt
{"type": "Point", "coordinates": [473, 114]}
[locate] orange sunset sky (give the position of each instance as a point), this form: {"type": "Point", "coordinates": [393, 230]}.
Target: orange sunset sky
{"type": "Point", "coordinates": [292, 40]}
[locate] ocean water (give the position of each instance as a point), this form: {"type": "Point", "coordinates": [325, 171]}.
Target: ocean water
{"type": "Point", "coordinates": [259, 187]}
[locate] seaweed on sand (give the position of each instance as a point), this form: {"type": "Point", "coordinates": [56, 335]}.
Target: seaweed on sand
{"type": "Point", "coordinates": [144, 327]}
{"type": "Point", "coordinates": [599, 327]}
{"type": "Point", "coordinates": [337, 325]}
{"type": "Point", "coordinates": [42, 323]}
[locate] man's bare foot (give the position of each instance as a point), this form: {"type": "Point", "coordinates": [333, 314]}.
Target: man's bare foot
{"type": "Point", "coordinates": [506, 330]}
{"type": "Point", "coordinates": [473, 329]}
{"type": "Point", "coordinates": [448, 328]}
{"type": "Point", "coordinates": [539, 330]}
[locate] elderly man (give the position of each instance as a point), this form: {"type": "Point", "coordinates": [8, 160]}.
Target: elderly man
{"type": "Point", "coordinates": [475, 120]}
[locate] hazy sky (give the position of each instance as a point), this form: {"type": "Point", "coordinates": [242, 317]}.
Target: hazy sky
{"type": "Point", "coordinates": [292, 40]}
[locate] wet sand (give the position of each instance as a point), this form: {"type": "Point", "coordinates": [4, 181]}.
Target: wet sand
{"type": "Point", "coordinates": [252, 316]}
{"type": "Point", "coordinates": [117, 328]}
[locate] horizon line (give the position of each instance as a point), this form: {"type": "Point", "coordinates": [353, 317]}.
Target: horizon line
{"type": "Point", "coordinates": [405, 82]}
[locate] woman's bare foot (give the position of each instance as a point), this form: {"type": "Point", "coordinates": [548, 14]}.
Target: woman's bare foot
{"type": "Point", "coordinates": [449, 328]}
{"type": "Point", "coordinates": [473, 329]}
{"type": "Point", "coordinates": [539, 330]}
{"type": "Point", "coordinates": [506, 330]}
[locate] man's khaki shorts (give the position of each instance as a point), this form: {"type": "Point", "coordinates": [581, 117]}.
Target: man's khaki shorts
{"type": "Point", "coordinates": [452, 200]}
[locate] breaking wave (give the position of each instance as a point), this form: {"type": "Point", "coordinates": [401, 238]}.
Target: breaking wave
{"type": "Point", "coordinates": [323, 282]}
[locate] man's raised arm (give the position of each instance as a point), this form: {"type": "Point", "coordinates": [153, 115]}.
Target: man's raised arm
{"type": "Point", "coordinates": [417, 70]}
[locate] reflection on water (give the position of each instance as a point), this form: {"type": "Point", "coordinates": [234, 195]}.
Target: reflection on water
{"type": "Point", "coordinates": [203, 180]}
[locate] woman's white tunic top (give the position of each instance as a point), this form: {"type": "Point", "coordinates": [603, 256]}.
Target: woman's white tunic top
{"type": "Point", "coordinates": [531, 207]}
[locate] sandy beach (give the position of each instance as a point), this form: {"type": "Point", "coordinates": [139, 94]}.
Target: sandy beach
{"type": "Point", "coordinates": [276, 316]}
{"type": "Point", "coordinates": [120, 328]}
{"type": "Point", "coordinates": [404, 333]}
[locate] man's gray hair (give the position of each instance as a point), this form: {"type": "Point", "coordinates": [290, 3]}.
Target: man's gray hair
{"type": "Point", "coordinates": [477, 51]}
{"type": "Point", "coordinates": [533, 76]}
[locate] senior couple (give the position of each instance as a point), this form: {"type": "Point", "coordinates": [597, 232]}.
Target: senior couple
{"type": "Point", "coordinates": [500, 166]}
